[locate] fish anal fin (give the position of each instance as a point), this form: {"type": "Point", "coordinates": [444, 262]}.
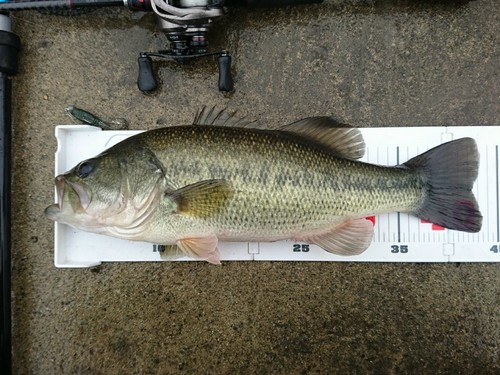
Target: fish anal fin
{"type": "Point", "coordinates": [352, 237]}
{"type": "Point", "coordinates": [203, 198]}
{"type": "Point", "coordinates": [343, 139]}
{"type": "Point", "coordinates": [221, 117]}
{"type": "Point", "coordinates": [204, 248]}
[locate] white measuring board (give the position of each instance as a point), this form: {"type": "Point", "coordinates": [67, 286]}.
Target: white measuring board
{"type": "Point", "coordinates": [398, 237]}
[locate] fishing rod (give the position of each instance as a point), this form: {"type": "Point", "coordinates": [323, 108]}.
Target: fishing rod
{"type": "Point", "coordinates": [185, 23]}
{"type": "Point", "coordinates": [9, 47]}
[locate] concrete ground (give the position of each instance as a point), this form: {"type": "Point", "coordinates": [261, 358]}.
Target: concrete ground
{"type": "Point", "coordinates": [371, 63]}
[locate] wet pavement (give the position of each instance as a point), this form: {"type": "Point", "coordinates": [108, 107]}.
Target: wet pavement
{"type": "Point", "coordinates": [370, 63]}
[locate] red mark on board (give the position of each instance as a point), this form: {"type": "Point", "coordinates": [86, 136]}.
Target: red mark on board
{"type": "Point", "coordinates": [434, 226]}
{"type": "Point", "coordinates": [437, 227]}
{"type": "Point", "coordinates": [371, 218]}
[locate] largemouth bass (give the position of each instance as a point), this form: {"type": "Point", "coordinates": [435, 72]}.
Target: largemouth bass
{"type": "Point", "coordinates": [224, 178]}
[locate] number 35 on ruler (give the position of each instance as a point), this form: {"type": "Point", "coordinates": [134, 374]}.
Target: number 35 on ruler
{"type": "Point", "coordinates": [399, 249]}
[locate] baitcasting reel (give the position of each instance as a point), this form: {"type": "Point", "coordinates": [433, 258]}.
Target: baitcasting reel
{"type": "Point", "coordinates": [186, 24]}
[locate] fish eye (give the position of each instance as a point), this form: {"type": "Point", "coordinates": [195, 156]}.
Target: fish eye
{"type": "Point", "coordinates": [85, 168]}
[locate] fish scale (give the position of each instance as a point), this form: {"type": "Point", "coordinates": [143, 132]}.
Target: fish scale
{"type": "Point", "coordinates": [309, 177]}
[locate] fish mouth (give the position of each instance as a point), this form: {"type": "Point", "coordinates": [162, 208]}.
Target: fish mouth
{"type": "Point", "coordinates": [53, 211]}
{"type": "Point", "coordinates": [60, 189]}
{"type": "Point", "coordinates": [63, 186]}
{"type": "Point", "coordinates": [83, 196]}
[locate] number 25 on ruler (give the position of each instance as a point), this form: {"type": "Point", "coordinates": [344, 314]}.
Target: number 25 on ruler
{"type": "Point", "coordinates": [300, 248]}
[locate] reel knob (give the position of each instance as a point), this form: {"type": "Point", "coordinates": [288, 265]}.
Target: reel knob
{"type": "Point", "coordinates": [225, 77]}
{"type": "Point", "coordinates": [146, 80]}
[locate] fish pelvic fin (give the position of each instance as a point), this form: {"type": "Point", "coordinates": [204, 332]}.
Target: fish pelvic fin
{"type": "Point", "coordinates": [449, 171]}
{"type": "Point", "coordinates": [203, 248]}
{"type": "Point", "coordinates": [202, 199]}
{"type": "Point", "coordinates": [170, 252]}
{"type": "Point", "coordinates": [344, 140]}
{"type": "Point", "coordinates": [351, 237]}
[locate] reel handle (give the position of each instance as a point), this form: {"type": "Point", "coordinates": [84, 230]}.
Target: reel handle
{"type": "Point", "coordinates": [225, 77]}
{"type": "Point", "coordinates": [146, 80]}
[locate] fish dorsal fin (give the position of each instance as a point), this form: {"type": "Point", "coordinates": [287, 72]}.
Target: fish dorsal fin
{"type": "Point", "coordinates": [345, 140]}
{"type": "Point", "coordinates": [202, 199]}
{"type": "Point", "coordinates": [222, 117]}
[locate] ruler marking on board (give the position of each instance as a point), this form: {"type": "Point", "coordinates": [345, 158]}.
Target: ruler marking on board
{"type": "Point", "coordinates": [497, 195]}
{"type": "Point", "coordinates": [418, 226]}
{"type": "Point", "coordinates": [399, 213]}
{"type": "Point", "coordinates": [487, 192]}
{"type": "Point", "coordinates": [389, 237]}
{"type": "Point", "coordinates": [378, 226]}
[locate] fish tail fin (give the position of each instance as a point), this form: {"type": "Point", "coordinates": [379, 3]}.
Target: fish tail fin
{"type": "Point", "coordinates": [449, 171]}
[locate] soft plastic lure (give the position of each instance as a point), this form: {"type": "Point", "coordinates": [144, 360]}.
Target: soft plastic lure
{"type": "Point", "coordinates": [91, 119]}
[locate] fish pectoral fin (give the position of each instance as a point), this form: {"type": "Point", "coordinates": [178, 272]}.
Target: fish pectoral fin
{"type": "Point", "coordinates": [343, 139]}
{"type": "Point", "coordinates": [202, 199]}
{"type": "Point", "coordinates": [204, 248]}
{"type": "Point", "coordinates": [170, 252]}
{"type": "Point", "coordinates": [352, 237]}
{"type": "Point", "coordinates": [221, 117]}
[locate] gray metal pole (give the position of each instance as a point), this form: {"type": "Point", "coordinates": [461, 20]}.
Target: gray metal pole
{"type": "Point", "coordinates": [9, 47]}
